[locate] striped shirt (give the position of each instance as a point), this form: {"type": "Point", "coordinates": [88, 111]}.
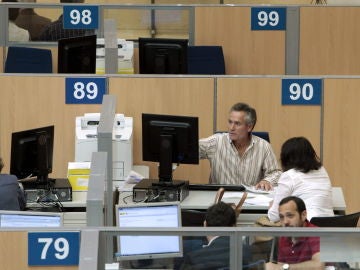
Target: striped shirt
{"type": "Point", "coordinates": [227, 166]}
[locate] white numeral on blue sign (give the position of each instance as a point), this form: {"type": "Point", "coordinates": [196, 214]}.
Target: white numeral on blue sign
{"type": "Point", "coordinates": [61, 245]}
{"type": "Point", "coordinates": [271, 18]}
{"type": "Point", "coordinates": [90, 90]}
{"type": "Point", "coordinates": [85, 90]}
{"type": "Point", "coordinates": [301, 91]}
{"type": "Point", "coordinates": [84, 17]}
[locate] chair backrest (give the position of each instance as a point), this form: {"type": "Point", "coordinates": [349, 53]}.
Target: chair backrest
{"type": "Point", "coordinates": [206, 60]}
{"type": "Point", "coordinates": [350, 220]}
{"type": "Point", "coordinates": [28, 60]}
{"type": "Point", "coordinates": [262, 134]}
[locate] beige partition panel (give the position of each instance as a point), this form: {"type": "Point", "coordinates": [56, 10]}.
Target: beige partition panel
{"type": "Point", "coordinates": [174, 96]}
{"type": "Point", "coordinates": [329, 40]}
{"type": "Point", "coordinates": [2, 59]}
{"type": "Point", "coordinates": [29, 102]}
{"type": "Point", "coordinates": [245, 51]}
{"type": "Point", "coordinates": [264, 94]}
{"type": "Point", "coordinates": [342, 137]}
{"type": "Point", "coordinates": [14, 253]}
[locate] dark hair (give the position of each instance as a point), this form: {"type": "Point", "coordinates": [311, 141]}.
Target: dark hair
{"type": "Point", "coordinates": [298, 153]}
{"type": "Point", "coordinates": [220, 215]}
{"type": "Point", "coordinates": [250, 117]}
{"type": "Point", "coordinates": [300, 205]}
{"type": "Point", "coordinates": [1, 164]}
{"type": "Point", "coordinates": [13, 12]}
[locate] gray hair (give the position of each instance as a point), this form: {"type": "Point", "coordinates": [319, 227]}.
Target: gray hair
{"type": "Point", "coordinates": [250, 116]}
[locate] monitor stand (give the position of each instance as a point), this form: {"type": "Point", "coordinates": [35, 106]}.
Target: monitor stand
{"type": "Point", "coordinates": [153, 190]}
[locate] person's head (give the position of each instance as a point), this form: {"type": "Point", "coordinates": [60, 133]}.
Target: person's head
{"type": "Point", "coordinates": [242, 120]}
{"type": "Point", "coordinates": [220, 215]}
{"type": "Point", "coordinates": [292, 212]}
{"type": "Point", "coordinates": [298, 153]}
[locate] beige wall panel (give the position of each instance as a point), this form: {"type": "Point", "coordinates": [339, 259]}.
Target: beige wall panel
{"type": "Point", "coordinates": [341, 137]}
{"type": "Point", "coordinates": [30, 102]}
{"type": "Point", "coordinates": [245, 51]}
{"type": "Point", "coordinates": [2, 59]}
{"type": "Point", "coordinates": [14, 253]}
{"type": "Point", "coordinates": [329, 40]}
{"type": "Point", "coordinates": [264, 94]}
{"type": "Point", "coordinates": [177, 96]}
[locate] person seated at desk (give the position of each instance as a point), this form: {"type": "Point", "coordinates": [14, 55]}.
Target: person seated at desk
{"type": "Point", "coordinates": [55, 30]}
{"type": "Point", "coordinates": [296, 252]}
{"type": "Point", "coordinates": [12, 196]}
{"type": "Point", "coordinates": [238, 157]}
{"type": "Point", "coordinates": [305, 177]}
{"type": "Point", "coordinates": [216, 254]}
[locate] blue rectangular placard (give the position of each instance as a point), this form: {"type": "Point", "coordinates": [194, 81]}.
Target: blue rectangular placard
{"type": "Point", "coordinates": [81, 17]}
{"type": "Point", "coordinates": [84, 90]}
{"type": "Point", "coordinates": [301, 92]}
{"type": "Point", "coordinates": [53, 248]}
{"type": "Point", "coordinates": [268, 18]}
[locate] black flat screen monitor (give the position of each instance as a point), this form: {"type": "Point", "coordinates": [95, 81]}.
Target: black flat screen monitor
{"type": "Point", "coordinates": [149, 215]}
{"type": "Point", "coordinates": [163, 56]}
{"type": "Point", "coordinates": [169, 139]}
{"type": "Point", "coordinates": [77, 55]}
{"type": "Point", "coordinates": [32, 153]}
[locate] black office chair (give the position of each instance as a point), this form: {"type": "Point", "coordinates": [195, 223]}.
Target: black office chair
{"type": "Point", "coordinates": [28, 60]}
{"type": "Point", "coordinates": [350, 220]}
{"type": "Point", "coordinates": [204, 60]}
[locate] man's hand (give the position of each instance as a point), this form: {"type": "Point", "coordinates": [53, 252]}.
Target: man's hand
{"type": "Point", "coordinates": [264, 185]}
{"type": "Point", "coordinates": [273, 266]}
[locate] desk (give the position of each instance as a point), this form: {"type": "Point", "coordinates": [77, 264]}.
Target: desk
{"type": "Point", "coordinates": [201, 200]}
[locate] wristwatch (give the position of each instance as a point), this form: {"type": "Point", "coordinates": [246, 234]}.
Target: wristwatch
{"type": "Point", "coordinates": [286, 266]}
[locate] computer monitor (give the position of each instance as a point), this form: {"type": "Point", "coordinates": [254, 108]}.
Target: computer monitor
{"type": "Point", "coordinates": [163, 56]}
{"type": "Point", "coordinates": [169, 139]}
{"type": "Point", "coordinates": [77, 55]}
{"type": "Point", "coordinates": [32, 153]}
{"type": "Point", "coordinates": [23, 219]}
{"type": "Point", "coordinates": [149, 215]}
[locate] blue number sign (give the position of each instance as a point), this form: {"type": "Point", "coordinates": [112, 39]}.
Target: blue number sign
{"type": "Point", "coordinates": [301, 91]}
{"type": "Point", "coordinates": [84, 90]}
{"type": "Point", "coordinates": [53, 248]}
{"type": "Point", "coordinates": [81, 17]}
{"type": "Point", "coordinates": [268, 18]}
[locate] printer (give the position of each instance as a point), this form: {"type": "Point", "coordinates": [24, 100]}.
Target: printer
{"type": "Point", "coordinates": [86, 142]}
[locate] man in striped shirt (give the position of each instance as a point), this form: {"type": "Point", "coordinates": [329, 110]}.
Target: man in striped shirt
{"type": "Point", "coordinates": [238, 157]}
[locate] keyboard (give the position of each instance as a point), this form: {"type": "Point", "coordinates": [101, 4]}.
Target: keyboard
{"type": "Point", "coordinates": [216, 187]}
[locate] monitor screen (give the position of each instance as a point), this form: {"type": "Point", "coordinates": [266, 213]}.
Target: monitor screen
{"type": "Point", "coordinates": [163, 56]}
{"type": "Point", "coordinates": [170, 139]}
{"type": "Point", "coordinates": [23, 219]}
{"type": "Point", "coordinates": [32, 153]}
{"type": "Point", "coordinates": [149, 215]}
{"type": "Point", "coordinates": [77, 55]}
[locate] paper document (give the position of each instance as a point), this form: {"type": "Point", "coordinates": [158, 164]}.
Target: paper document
{"type": "Point", "coordinates": [252, 189]}
{"type": "Point", "coordinates": [259, 199]}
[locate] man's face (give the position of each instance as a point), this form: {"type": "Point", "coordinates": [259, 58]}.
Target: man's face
{"type": "Point", "coordinates": [289, 215]}
{"type": "Point", "coordinates": [238, 129]}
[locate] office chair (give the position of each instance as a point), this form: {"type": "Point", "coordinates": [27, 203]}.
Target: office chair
{"type": "Point", "coordinates": [350, 220]}
{"type": "Point", "coordinates": [237, 207]}
{"type": "Point", "coordinates": [28, 60]}
{"type": "Point", "coordinates": [206, 60]}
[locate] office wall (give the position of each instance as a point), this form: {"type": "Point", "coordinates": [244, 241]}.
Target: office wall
{"type": "Point", "coordinates": [29, 102]}
{"type": "Point", "coordinates": [14, 253]}
{"type": "Point", "coordinates": [245, 51]}
{"type": "Point", "coordinates": [174, 96]}
{"type": "Point", "coordinates": [329, 40]}
{"type": "Point", "coordinates": [341, 136]}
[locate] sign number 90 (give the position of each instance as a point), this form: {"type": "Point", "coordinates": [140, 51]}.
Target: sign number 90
{"type": "Point", "coordinates": [301, 91]}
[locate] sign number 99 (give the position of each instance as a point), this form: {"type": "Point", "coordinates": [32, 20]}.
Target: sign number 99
{"type": "Point", "coordinates": [271, 18]}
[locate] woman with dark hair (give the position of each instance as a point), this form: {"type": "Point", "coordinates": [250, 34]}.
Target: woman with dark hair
{"type": "Point", "coordinates": [305, 177]}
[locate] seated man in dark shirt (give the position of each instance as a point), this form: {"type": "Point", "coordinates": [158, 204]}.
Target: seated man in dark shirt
{"type": "Point", "coordinates": [11, 195]}
{"type": "Point", "coordinates": [216, 254]}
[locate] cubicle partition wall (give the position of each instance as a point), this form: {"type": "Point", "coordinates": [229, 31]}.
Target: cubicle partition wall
{"type": "Point", "coordinates": [191, 96]}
